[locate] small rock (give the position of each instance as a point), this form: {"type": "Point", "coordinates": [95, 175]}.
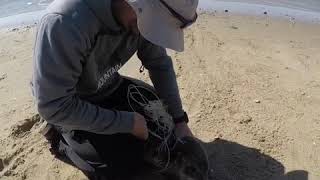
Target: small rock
{"type": "Point", "coordinates": [220, 44]}
{"type": "Point", "coordinates": [234, 27]}
{"type": "Point", "coordinates": [218, 137]}
{"type": "Point", "coordinates": [303, 93]}
{"type": "Point", "coordinates": [246, 120]}
{"type": "Point", "coordinates": [198, 120]}
{"type": "Point", "coordinates": [286, 67]}
{"type": "Point", "coordinates": [265, 13]}
{"type": "Point", "coordinates": [257, 101]}
{"type": "Point", "coordinates": [14, 29]}
{"type": "Point", "coordinates": [31, 150]}
{"type": "Point", "coordinates": [4, 76]}
{"type": "Point", "coordinates": [226, 10]}
{"type": "Point", "coordinates": [262, 139]}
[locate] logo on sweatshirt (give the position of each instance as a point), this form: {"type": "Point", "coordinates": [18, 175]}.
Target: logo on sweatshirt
{"type": "Point", "coordinates": [108, 74]}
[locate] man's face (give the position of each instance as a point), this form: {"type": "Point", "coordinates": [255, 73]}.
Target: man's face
{"type": "Point", "coordinates": [129, 19]}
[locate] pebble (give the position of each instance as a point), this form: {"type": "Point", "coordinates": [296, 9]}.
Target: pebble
{"type": "Point", "coordinates": [31, 150]}
{"type": "Point", "coordinates": [14, 29]}
{"type": "Point", "coordinates": [265, 12]}
{"type": "Point", "coordinates": [246, 120]}
{"type": "Point", "coordinates": [4, 76]}
{"type": "Point", "coordinates": [234, 27]}
{"type": "Point", "coordinates": [262, 139]}
{"type": "Point", "coordinates": [218, 137]}
{"type": "Point", "coordinates": [226, 10]}
{"type": "Point", "coordinates": [257, 101]}
{"type": "Point", "coordinates": [303, 93]}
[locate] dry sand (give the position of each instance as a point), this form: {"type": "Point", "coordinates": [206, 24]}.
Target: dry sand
{"type": "Point", "coordinates": [250, 84]}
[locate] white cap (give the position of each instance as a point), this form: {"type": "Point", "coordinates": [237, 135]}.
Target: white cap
{"type": "Point", "coordinates": [159, 25]}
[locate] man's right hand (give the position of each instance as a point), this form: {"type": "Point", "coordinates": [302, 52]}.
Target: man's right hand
{"type": "Point", "coordinates": [140, 129]}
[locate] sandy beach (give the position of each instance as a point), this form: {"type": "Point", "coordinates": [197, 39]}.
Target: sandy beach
{"type": "Point", "coordinates": [251, 86]}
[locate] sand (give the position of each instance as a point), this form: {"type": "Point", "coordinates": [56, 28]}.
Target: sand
{"type": "Point", "coordinates": [251, 86]}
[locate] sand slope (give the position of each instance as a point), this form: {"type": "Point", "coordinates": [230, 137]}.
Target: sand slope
{"type": "Point", "coordinates": [251, 86]}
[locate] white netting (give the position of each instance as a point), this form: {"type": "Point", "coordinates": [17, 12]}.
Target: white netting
{"type": "Point", "coordinates": [162, 123]}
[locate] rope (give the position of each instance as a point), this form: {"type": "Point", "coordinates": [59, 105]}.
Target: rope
{"type": "Point", "coordinates": [157, 114]}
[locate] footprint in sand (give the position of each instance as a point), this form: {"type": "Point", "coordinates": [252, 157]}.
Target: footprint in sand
{"type": "Point", "coordinates": [19, 130]}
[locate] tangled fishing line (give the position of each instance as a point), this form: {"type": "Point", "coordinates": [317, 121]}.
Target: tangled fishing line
{"type": "Point", "coordinates": [159, 122]}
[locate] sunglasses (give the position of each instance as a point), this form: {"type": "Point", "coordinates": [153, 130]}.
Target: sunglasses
{"type": "Point", "coordinates": [185, 22]}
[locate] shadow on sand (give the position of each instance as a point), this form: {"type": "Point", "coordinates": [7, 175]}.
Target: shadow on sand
{"type": "Point", "coordinates": [232, 161]}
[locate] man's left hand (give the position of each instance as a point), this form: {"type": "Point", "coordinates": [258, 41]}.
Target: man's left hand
{"type": "Point", "coordinates": [183, 130]}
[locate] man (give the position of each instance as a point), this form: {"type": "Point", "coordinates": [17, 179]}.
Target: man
{"type": "Point", "coordinates": [80, 46]}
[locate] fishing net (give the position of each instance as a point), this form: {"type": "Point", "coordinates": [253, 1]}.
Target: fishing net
{"type": "Point", "coordinates": [181, 158]}
{"type": "Point", "coordinates": [159, 122]}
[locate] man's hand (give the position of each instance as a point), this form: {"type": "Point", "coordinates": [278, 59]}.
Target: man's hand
{"type": "Point", "coordinates": [140, 129]}
{"type": "Point", "coordinates": [183, 130]}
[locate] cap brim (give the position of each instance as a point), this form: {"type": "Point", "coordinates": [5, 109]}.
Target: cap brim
{"type": "Point", "coordinates": [158, 26]}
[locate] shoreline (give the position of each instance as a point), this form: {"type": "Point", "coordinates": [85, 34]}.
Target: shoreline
{"type": "Point", "coordinates": [253, 9]}
{"type": "Point", "coordinates": [21, 20]}
{"type": "Point", "coordinates": [233, 8]}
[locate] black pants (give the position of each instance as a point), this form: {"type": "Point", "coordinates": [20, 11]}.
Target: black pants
{"type": "Point", "coordinates": [123, 153]}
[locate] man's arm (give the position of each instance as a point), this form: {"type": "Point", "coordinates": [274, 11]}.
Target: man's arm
{"type": "Point", "coordinates": [162, 74]}
{"type": "Point", "coordinates": [58, 59]}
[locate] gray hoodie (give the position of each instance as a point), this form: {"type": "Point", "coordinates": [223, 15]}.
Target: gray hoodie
{"type": "Point", "coordinates": [78, 51]}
